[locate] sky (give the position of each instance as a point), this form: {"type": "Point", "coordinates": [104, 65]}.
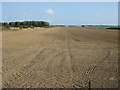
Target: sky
{"type": "Point", "coordinates": [63, 13]}
{"type": "Point", "coordinates": [119, 13]}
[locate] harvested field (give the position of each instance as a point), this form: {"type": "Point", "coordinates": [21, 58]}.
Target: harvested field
{"type": "Point", "coordinates": [60, 57]}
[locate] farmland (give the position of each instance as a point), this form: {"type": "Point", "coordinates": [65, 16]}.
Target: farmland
{"type": "Point", "coordinates": [105, 27]}
{"type": "Point", "coordinates": [60, 57]}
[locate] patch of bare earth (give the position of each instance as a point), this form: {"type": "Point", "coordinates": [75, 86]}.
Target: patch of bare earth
{"type": "Point", "coordinates": [62, 57]}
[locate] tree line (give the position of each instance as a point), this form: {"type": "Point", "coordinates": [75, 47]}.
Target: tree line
{"type": "Point", "coordinates": [25, 24]}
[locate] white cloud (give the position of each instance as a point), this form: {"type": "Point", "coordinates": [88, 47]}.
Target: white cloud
{"type": "Point", "coordinates": [49, 11]}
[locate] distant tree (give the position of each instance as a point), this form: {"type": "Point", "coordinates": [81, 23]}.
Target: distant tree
{"type": "Point", "coordinates": [40, 24]}
{"type": "Point", "coordinates": [5, 25]}
{"type": "Point", "coordinates": [12, 24]}
{"type": "Point", "coordinates": [25, 24]}
{"type": "Point", "coordinates": [45, 23]}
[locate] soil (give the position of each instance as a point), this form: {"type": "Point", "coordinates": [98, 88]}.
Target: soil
{"type": "Point", "coordinates": [60, 57]}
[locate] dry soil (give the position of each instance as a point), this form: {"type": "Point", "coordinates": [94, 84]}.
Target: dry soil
{"type": "Point", "coordinates": [60, 57]}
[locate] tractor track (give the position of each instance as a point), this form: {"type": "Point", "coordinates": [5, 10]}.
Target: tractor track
{"type": "Point", "coordinates": [32, 62]}
{"type": "Point", "coordinates": [62, 59]}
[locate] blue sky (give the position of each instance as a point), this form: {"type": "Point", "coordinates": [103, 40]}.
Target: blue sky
{"type": "Point", "coordinates": [68, 13]}
{"type": "Point", "coordinates": [119, 13]}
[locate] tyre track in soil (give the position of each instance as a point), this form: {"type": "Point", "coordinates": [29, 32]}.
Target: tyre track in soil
{"type": "Point", "coordinates": [14, 61]}
{"type": "Point", "coordinates": [61, 69]}
{"type": "Point", "coordinates": [20, 53]}
{"type": "Point", "coordinates": [74, 68]}
{"type": "Point", "coordinates": [85, 74]}
{"type": "Point", "coordinates": [48, 77]}
{"type": "Point", "coordinates": [27, 72]}
{"type": "Point", "coordinates": [58, 70]}
{"type": "Point", "coordinates": [45, 76]}
{"type": "Point", "coordinates": [51, 77]}
{"type": "Point", "coordinates": [67, 68]}
{"type": "Point", "coordinates": [91, 69]}
{"type": "Point", "coordinates": [27, 54]}
{"type": "Point", "coordinates": [26, 68]}
{"type": "Point", "coordinates": [70, 67]}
